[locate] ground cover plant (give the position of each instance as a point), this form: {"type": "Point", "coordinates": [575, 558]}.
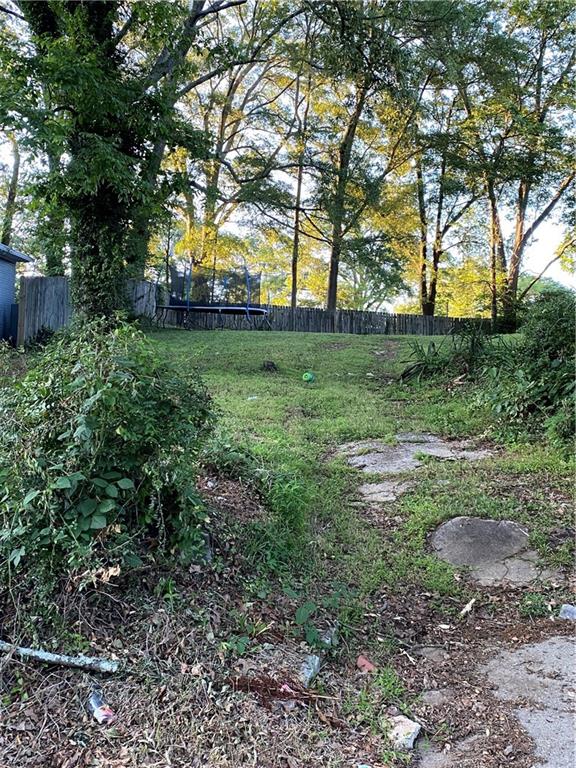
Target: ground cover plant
{"type": "Point", "coordinates": [97, 450]}
{"type": "Point", "coordinates": [294, 552]}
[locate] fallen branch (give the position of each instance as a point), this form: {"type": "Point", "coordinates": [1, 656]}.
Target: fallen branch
{"type": "Point", "coordinates": [59, 659]}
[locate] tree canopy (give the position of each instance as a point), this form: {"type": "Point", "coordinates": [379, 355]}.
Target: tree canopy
{"type": "Point", "coordinates": [352, 151]}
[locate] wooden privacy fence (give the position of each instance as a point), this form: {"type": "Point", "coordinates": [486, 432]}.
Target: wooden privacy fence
{"type": "Point", "coordinates": [44, 304]}
{"type": "Point", "coordinates": [322, 321]}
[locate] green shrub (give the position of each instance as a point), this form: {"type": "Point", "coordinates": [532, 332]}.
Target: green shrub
{"type": "Point", "coordinates": [533, 389]}
{"type": "Point", "coordinates": [98, 449]}
{"type": "Point", "coordinates": [549, 328]}
{"type": "Point", "coordinates": [465, 353]}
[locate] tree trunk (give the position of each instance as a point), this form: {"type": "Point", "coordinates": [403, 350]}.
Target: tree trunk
{"type": "Point", "coordinates": [10, 208]}
{"type": "Point", "coordinates": [98, 224]}
{"type": "Point", "coordinates": [510, 293]}
{"type": "Point", "coordinates": [339, 201]}
{"type": "Point", "coordinates": [429, 306]}
{"type": "Point", "coordinates": [208, 256]}
{"type": "Point", "coordinates": [335, 253]}
{"type": "Point", "coordinates": [497, 253]}
{"type": "Point", "coordinates": [302, 127]}
{"type": "Point", "coordinates": [189, 223]}
{"type": "Point", "coordinates": [423, 256]}
{"type": "Point", "coordinates": [296, 239]}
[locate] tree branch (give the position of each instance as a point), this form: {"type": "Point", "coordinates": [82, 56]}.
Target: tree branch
{"type": "Point", "coordinates": [568, 244]}
{"type": "Point", "coordinates": [3, 9]}
{"type": "Point", "coordinates": [549, 208]}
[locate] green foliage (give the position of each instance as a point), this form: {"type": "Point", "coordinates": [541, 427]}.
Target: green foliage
{"type": "Point", "coordinates": [549, 328]}
{"type": "Point", "coordinates": [534, 388]}
{"type": "Point", "coordinates": [426, 361]}
{"type": "Point", "coordinates": [463, 354]}
{"type": "Point", "coordinates": [98, 447]}
{"type": "Point", "coordinates": [534, 605]}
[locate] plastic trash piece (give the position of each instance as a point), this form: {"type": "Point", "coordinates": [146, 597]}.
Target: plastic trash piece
{"type": "Point", "coordinates": [309, 377]}
{"type": "Point", "coordinates": [98, 708]}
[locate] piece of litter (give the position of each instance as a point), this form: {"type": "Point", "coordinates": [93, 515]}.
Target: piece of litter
{"type": "Point", "coordinates": [468, 607]}
{"type": "Point", "coordinates": [98, 708]}
{"type": "Point", "coordinates": [365, 665]}
{"type": "Point", "coordinates": [309, 669]}
{"type": "Point", "coordinates": [252, 397]}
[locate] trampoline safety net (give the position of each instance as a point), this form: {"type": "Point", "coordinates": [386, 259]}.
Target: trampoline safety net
{"type": "Point", "coordinates": [220, 287]}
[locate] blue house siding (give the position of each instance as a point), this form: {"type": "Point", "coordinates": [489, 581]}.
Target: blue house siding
{"type": "Point", "coordinates": [7, 296]}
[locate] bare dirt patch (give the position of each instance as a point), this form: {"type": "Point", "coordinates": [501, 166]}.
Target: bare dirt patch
{"type": "Point", "coordinates": [389, 350]}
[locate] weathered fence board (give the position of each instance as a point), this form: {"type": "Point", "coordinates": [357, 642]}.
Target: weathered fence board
{"type": "Point", "coordinates": [44, 303]}
{"type": "Point", "coordinates": [321, 321]}
{"type": "Point", "coordinates": [141, 295]}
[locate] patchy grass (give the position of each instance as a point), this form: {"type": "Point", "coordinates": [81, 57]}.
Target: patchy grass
{"type": "Point", "coordinates": [294, 553]}
{"type": "Point", "coordinates": [291, 427]}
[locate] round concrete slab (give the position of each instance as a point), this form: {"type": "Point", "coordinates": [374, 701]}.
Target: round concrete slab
{"type": "Point", "coordinates": [473, 541]}
{"type": "Point", "coordinates": [495, 551]}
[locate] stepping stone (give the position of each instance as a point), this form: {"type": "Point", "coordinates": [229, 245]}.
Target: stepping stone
{"type": "Point", "coordinates": [495, 551]}
{"type": "Point", "coordinates": [386, 460]}
{"type": "Point", "coordinates": [541, 679]}
{"type": "Point", "coordinates": [380, 458]}
{"type": "Point", "coordinates": [388, 490]}
{"type": "Point", "coordinates": [417, 437]}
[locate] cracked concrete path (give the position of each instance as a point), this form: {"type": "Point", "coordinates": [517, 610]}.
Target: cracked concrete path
{"type": "Point", "coordinates": [539, 680]}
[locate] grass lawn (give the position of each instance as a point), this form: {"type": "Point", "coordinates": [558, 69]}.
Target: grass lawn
{"type": "Point", "coordinates": [375, 575]}
{"type": "Point", "coordinates": [296, 551]}
{"type": "Point", "coordinates": [291, 427]}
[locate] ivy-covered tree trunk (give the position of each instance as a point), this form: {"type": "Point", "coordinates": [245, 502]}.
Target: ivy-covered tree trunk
{"type": "Point", "coordinates": [97, 252]}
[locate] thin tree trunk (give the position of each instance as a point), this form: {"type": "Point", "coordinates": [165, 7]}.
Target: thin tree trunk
{"type": "Point", "coordinates": [437, 247]}
{"type": "Point", "coordinates": [301, 138]}
{"type": "Point", "coordinates": [511, 287]}
{"type": "Point", "coordinates": [339, 203]}
{"type": "Point", "coordinates": [430, 307]}
{"type": "Point", "coordinates": [296, 239]}
{"type": "Point", "coordinates": [10, 208]}
{"type": "Point", "coordinates": [423, 260]}
{"type": "Point", "coordinates": [497, 252]}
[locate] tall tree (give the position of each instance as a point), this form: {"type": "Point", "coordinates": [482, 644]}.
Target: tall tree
{"type": "Point", "coordinates": [115, 74]}
{"type": "Point", "coordinates": [518, 90]}
{"type": "Point", "coordinates": [244, 110]}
